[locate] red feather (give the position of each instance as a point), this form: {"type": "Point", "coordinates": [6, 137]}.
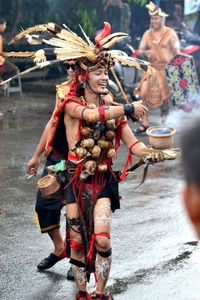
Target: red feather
{"type": "Point", "coordinates": [105, 32]}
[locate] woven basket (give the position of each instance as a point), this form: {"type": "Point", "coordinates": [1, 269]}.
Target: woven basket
{"type": "Point", "coordinates": [49, 186]}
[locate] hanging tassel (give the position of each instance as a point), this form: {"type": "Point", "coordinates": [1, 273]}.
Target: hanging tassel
{"type": "Point", "coordinates": [36, 220]}
{"type": "Point", "coordinates": [129, 160]}
{"type": "Point", "coordinates": [92, 243]}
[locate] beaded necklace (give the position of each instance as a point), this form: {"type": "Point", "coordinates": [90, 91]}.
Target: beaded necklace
{"type": "Point", "coordinates": [160, 38]}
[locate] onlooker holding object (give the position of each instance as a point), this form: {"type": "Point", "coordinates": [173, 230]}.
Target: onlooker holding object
{"type": "Point", "coordinates": [8, 69]}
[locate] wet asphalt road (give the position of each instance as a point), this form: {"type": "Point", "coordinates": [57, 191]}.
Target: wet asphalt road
{"type": "Point", "coordinates": [155, 253]}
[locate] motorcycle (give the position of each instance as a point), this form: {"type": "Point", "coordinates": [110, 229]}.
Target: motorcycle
{"type": "Point", "coordinates": [190, 45]}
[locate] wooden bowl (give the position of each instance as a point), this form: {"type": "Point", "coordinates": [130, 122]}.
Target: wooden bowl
{"type": "Point", "coordinates": [49, 186]}
{"type": "Point", "coordinates": [161, 137]}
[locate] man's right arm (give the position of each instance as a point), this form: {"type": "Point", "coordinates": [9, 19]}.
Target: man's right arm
{"type": "Point", "coordinates": [34, 162]}
{"type": "Point", "coordinates": [143, 46]}
{"type": "Point", "coordinates": [144, 50]}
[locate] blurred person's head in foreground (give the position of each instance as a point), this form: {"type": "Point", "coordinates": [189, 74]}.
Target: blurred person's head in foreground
{"type": "Point", "coordinates": [191, 164]}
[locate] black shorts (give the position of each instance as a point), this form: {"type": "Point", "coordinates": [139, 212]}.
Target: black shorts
{"type": "Point", "coordinates": [110, 189]}
{"type": "Point", "coordinates": [48, 210]}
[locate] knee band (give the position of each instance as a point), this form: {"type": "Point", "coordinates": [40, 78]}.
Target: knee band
{"type": "Point", "coordinates": [77, 263]}
{"type": "Point", "coordinates": [74, 222]}
{"type": "Point", "coordinates": [105, 254]}
{"type": "Point", "coordinates": [75, 245]}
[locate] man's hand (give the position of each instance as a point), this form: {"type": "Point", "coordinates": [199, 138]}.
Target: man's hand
{"type": "Point", "coordinates": [150, 54]}
{"type": "Point", "coordinates": [140, 109]}
{"type": "Point", "coordinates": [32, 166]}
{"type": "Point", "coordinates": [151, 154]}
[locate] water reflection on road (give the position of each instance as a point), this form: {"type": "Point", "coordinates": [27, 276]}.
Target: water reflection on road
{"type": "Point", "coordinates": [155, 253]}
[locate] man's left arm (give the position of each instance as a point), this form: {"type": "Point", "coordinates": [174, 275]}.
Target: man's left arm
{"type": "Point", "coordinates": [175, 43]}
{"type": "Point", "coordinates": [129, 139]}
{"type": "Point", "coordinates": [137, 147]}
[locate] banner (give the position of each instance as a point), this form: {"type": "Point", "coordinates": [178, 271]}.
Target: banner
{"type": "Point", "coordinates": [191, 6]}
{"type": "Point", "coordinates": [182, 81]}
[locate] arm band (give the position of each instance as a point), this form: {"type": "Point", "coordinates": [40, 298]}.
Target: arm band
{"type": "Point", "coordinates": [101, 110]}
{"type": "Point", "coordinates": [83, 112]}
{"type": "Point", "coordinates": [129, 109]}
{"type": "Point", "coordinates": [134, 145]}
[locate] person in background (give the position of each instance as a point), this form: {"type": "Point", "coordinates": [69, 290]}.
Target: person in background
{"type": "Point", "coordinates": [125, 18]}
{"type": "Point", "coordinates": [190, 146]}
{"type": "Point", "coordinates": [112, 10]}
{"type": "Point", "coordinates": [8, 69]}
{"type": "Point", "coordinates": [159, 45]}
{"type": "Point", "coordinates": [49, 210]}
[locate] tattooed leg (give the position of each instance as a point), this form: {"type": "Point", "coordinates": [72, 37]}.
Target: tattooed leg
{"type": "Point", "coordinates": [78, 268]}
{"type": "Point", "coordinates": [102, 267]}
{"type": "Point", "coordinates": [102, 223]}
{"type": "Point", "coordinates": [74, 229]}
{"type": "Point", "coordinates": [102, 215]}
{"type": "Point", "coordinates": [77, 252]}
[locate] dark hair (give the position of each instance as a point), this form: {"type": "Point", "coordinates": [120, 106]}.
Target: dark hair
{"type": "Point", "coordinates": [80, 86]}
{"type": "Point", "coordinates": [190, 145]}
{"type": "Point", "coordinates": [2, 20]}
{"type": "Point", "coordinates": [80, 89]}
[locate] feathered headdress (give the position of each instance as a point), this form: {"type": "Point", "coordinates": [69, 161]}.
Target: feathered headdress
{"type": "Point", "coordinates": [64, 44]}
{"type": "Point", "coordinates": [155, 10]}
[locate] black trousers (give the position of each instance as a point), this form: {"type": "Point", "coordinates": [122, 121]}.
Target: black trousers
{"type": "Point", "coordinates": [48, 210]}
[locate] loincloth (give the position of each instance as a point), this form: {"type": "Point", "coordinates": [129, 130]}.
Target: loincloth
{"type": "Point", "coordinates": [153, 89]}
{"type": "Point", "coordinates": [85, 194]}
{"type": "Point", "coordinates": [105, 184]}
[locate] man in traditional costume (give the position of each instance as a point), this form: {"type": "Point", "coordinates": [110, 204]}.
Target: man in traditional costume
{"type": "Point", "coordinates": [91, 187]}
{"type": "Point", "coordinates": [159, 44]}
{"type": "Point", "coordinates": [93, 128]}
{"type": "Point", "coordinates": [112, 10]}
{"type": "Point", "coordinates": [48, 210]}
{"type": "Point", "coordinates": [87, 133]}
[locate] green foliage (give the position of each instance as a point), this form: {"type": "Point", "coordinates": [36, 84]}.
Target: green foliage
{"type": "Point", "coordinates": [37, 13]}
{"type": "Point", "coordinates": [26, 13]}
{"type": "Point", "coordinates": [141, 2]}
{"type": "Point", "coordinates": [87, 18]}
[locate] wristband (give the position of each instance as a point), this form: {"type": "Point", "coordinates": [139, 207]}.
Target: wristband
{"type": "Point", "coordinates": [129, 109]}
{"type": "Point", "coordinates": [138, 141]}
